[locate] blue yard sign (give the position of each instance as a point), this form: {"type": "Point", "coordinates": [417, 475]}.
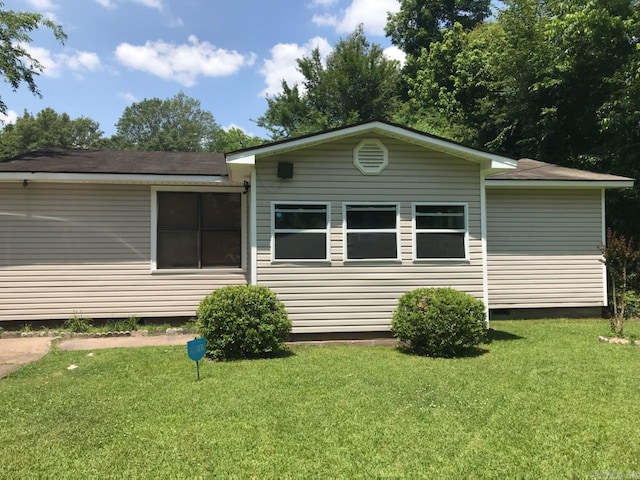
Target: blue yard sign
{"type": "Point", "coordinates": [196, 349]}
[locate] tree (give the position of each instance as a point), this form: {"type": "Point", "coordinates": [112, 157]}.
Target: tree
{"type": "Point", "coordinates": [16, 64]}
{"type": "Point", "coordinates": [358, 83]}
{"type": "Point", "coordinates": [48, 129]}
{"type": "Point", "coordinates": [620, 257]}
{"type": "Point", "coordinates": [234, 139]}
{"type": "Point", "coordinates": [174, 124]}
{"type": "Point", "coordinates": [419, 23]}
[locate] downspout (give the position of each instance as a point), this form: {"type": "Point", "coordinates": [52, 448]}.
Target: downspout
{"type": "Point", "coordinates": [605, 284]}
{"type": "Point", "coordinates": [253, 234]}
{"type": "Point", "coordinates": [483, 238]}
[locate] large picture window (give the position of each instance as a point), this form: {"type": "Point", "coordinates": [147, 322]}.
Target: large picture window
{"type": "Point", "coordinates": [199, 230]}
{"type": "Point", "coordinates": [371, 231]}
{"type": "Point", "coordinates": [300, 231]}
{"type": "Point", "coordinates": [440, 231]}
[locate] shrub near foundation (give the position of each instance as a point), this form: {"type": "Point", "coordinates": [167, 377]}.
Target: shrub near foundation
{"type": "Point", "coordinates": [243, 322]}
{"type": "Point", "coordinates": [439, 322]}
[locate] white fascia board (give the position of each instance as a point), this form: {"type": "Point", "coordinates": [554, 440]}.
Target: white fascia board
{"type": "Point", "coordinates": [441, 145]}
{"type": "Point", "coordinates": [561, 183]}
{"type": "Point", "coordinates": [240, 167]}
{"type": "Point", "coordinates": [112, 178]}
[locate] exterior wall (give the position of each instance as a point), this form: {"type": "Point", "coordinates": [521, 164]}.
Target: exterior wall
{"type": "Point", "coordinates": [85, 248]}
{"type": "Point", "coordinates": [542, 248]}
{"type": "Point", "coordinates": [352, 296]}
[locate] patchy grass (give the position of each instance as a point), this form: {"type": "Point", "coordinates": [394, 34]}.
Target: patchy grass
{"type": "Point", "coordinates": [544, 400]}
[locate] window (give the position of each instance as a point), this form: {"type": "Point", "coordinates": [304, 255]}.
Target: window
{"type": "Point", "coordinates": [199, 230]}
{"type": "Point", "coordinates": [300, 231]}
{"type": "Point", "coordinates": [371, 231]}
{"type": "Point", "coordinates": [440, 231]}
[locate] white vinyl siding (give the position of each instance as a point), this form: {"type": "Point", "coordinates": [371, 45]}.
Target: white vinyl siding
{"type": "Point", "coordinates": [543, 248]}
{"type": "Point", "coordinates": [348, 296]}
{"type": "Point", "coordinates": [86, 249]}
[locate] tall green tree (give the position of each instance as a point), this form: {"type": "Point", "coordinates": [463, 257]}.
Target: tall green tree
{"type": "Point", "coordinates": [174, 124]}
{"type": "Point", "coordinates": [48, 129]}
{"type": "Point", "coordinates": [17, 66]}
{"type": "Point", "coordinates": [419, 23]}
{"type": "Point", "coordinates": [357, 83]}
{"type": "Point", "coordinates": [234, 139]}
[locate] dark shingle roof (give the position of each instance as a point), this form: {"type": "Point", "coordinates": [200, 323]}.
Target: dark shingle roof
{"type": "Point", "coordinates": [528, 169]}
{"type": "Point", "coordinates": [62, 160]}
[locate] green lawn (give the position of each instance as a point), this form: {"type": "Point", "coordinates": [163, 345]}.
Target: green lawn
{"type": "Point", "coordinates": [544, 400]}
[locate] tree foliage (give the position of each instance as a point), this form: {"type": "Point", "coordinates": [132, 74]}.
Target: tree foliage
{"type": "Point", "coordinates": [357, 83]}
{"type": "Point", "coordinates": [174, 124]}
{"type": "Point", "coordinates": [419, 23]}
{"type": "Point", "coordinates": [17, 66]}
{"type": "Point", "coordinates": [48, 129]}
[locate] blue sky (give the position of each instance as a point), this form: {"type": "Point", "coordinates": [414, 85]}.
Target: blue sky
{"type": "Point", "coordinates": [226, 53]}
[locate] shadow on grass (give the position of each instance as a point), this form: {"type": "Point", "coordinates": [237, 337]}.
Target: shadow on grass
{"type": "Point", "coordinates": [499, 335]}
{"type": "Point", "coordinates": [284, 353]}
{"type": "Point", "coordinates": [466, 353]}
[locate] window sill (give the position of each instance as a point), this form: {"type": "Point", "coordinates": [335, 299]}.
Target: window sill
{"type": "Point", "coordinates": [198, 271]}
{"type": "Point", "coordinates": [374, 261]}
{"type": "Point", "coordinates": [464, 261]}
{"type": "Point", "coordinates": [300, 262]}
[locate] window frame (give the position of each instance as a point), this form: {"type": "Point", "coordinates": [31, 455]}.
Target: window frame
{"type": "Point", "coordinates": [195, 189]}
{"type": "Point", "coordinates": [415, 231]}
{"type": "Point", "coordinates": [326, 231]}
{"type": "Point", "coordinates": [346, 231]}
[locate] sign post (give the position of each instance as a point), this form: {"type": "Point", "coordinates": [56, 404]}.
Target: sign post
{"type": "Point", "coordinates": [196, 349]}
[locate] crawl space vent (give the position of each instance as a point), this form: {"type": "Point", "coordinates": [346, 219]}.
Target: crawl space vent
{"type": "Point", "coordinates": [370, 156]}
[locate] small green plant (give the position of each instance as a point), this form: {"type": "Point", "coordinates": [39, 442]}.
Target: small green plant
{"type": "Point", "coordinates": [632, 304]}
{"type": "Point", "coordinates": [124, 324]}
{"type": "Point", "coordinates": [439, 322]}
{"type": "Point", "coordinates": [243, 322]}
{"type": "Point", "coordinates": [78, 324]}
{"type": "Point", "coordinates": [621, 257]}
{"type": "Point", "coordinates": [1, 331]}
{"type": "Point", "coordinates": [25, 328]}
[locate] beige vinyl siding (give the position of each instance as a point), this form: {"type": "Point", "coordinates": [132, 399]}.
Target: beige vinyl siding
{"type": "Point", "coordinates": [353, 296]}
{"type": "Point", "coordinates": [85, 249]}
{"type": "Point", "coordinates": [543, 248]}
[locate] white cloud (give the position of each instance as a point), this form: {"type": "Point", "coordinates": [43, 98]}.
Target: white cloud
{"type": "Point", "coordinates": [323, 3]}
{"type": "Point", "coordinates": [9, 117]}
{"type": "Point", "coordinates": [150, 3]}
{"type": "Point", "coordinates": [112, 3]}
{"type": "Point", "coordinates": [128, 97]}
{"type": "Point", "coordinates": [42, 5]}
{"type": "Point", "coordinates": [371, 13]}
{"type": "Point", "coordinates": [183, 63]}
{"type": "Point", "coordinates": [106, 3]}
{"type": "Point", "coordinates": [54, 64]}
{"type": "Point", "coordinates": [283, 66]}
{"type": "Point", "coordinates": [394, 53]}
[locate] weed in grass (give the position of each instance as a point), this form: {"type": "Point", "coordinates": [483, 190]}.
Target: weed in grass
{"type": "Point", "coordinates": [126, 324]}
{"type": "Point", "coordinates": [78, 324]}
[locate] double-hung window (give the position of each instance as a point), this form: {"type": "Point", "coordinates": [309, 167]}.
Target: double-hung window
{"type": "Point", "coordinates": [440, 231]}
{"type": "Point", "coordinates": [300, 231]}
{"type": "Point", "coordinates": [372, 232]}
{"type": "Point", "coordinates": [198, 230]}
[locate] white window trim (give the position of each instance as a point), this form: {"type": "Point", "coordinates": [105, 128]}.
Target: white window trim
{"type": "Point", "coordinates": [415, 231]}
{"type": "Point", "coordinates": [326, 231]}
{"type": "Point", "coordinates": [345, 253]}
{"type": "Point", "coordinates": [201, 271]}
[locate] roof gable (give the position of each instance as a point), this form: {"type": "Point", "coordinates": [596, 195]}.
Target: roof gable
{"type": "Point", "coordinates": [239, 161]}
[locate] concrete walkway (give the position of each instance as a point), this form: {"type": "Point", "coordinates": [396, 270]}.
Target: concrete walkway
{"type": "Point", "coordinates": [15, 352]}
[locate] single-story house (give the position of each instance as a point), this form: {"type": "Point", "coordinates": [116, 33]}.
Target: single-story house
{"type": "Point", "coordinates": [339, 224]}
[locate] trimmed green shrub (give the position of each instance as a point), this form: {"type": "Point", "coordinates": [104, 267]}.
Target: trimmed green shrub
{"type": "Point", "coordinates": [439, 322]}
{"type": "Point", "coordinates": [243, 322]}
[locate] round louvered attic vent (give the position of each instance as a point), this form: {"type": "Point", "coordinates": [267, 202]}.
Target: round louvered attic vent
{"type": "Point", "coordinates": [370, 156]}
